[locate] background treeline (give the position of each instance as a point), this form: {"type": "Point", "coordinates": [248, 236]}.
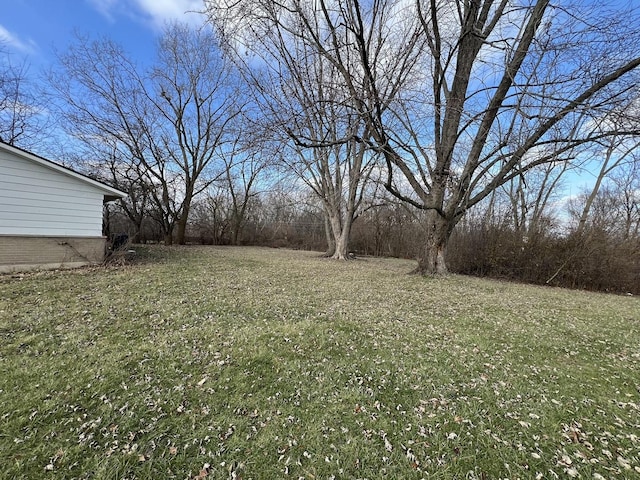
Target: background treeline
{"type": "Point", "coordinates": [588, 241]}
{"type": "Point", "coordinates": [365, 128]}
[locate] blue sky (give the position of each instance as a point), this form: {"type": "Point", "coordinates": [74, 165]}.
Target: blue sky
{"type": "Point", "coordinates": [33, 29]}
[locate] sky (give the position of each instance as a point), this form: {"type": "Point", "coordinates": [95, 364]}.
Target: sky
{"type": "Point", "coordinates": [32, 30]}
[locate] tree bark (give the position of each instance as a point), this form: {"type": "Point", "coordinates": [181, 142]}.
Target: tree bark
{"type": "Point", "coordinates": [182, 228]}
{"type": "Point", "coordinates": [433, 258]}
{"type": "Point", "coordinates": [235, 235]}
{"type": "Point", "coordinates": [236, 227]}
{"type": "Point", "coordinates": [339, 233]}
{"type": "Point", "coordinates": [342, 242]}
{"type": "Point", "coordinates": [331, 242]}
{"type": "Point", "coordinates": [338, 241]}
{"type": "Point", "coordinates": [341, 252]}
{"type": "Point", "coordinates": [183, 220]}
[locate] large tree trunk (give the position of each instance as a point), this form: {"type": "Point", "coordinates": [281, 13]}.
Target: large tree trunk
{"type": "Point", "coordinates": [331, 240]}
{"type": "Point", "coordinates": [137, 233]}
{"type": "Point", "coordinates": [182, 225]}
{"type": "Point", "coordinates": [432, 260]}
{"type": "Point", "coordinates": [235, 229]}
{"type": "Point", "coordinates": [167, 230]}
{"type": "Point", "coordinates": [340, 230]}
{"type": "Point", "coordinates": [184, 217]}
{"type": "Point", "coordinates": [342, 248]}
{"type": "Point", "coordinates": [182, 228]}
{"type": "Point", "coordinates": [338, 242]}
{"type": "Point", "coordinates": [342, 240]}
{"type": "Point", "coordinates": [235, 236]}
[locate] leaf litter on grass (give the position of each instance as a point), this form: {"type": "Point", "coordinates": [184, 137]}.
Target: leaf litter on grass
{"type": "Point", "coordinates": [261, 363]}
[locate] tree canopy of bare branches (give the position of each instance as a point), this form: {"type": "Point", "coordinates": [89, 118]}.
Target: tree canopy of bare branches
{"type": "Point", "coordinates": [459, 96]}
{"type": "Point", "coordinates": [300, 94]}
{"type": "Point", "coordinates": [21, 119]}
{"type": "Point", "coordinates": [163, 128]}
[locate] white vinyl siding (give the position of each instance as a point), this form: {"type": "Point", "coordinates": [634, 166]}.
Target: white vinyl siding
{"type": "Point", "coordinates": [37, 200]}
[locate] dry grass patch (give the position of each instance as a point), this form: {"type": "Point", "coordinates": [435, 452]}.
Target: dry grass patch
{"type": "Point", "coordinates": [258, 363]}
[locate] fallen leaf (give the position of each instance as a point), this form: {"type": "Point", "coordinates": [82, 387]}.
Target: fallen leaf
{"type": "Point", "coordinates": [203, 473]}
{"type": "Point", "coordinates": [624, 463]}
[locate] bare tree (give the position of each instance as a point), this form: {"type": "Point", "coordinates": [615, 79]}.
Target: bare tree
{"type": "Point", "coordinates": [615, 153]}
{"type": "Point", "coordinates": [169, 123]}
{"type": "Point", "coordinates": [246, 164]}
{"type": "Point", "coordinates": [104, 162]}
{"type": "Point", "coordinates": [210, 221]}
{"type": "Point", "coordinates": [613, 207]}
{"type": "Point", "coordinates": [338, 175]}
{"type": "Point", "coordinates": [300, 92]}
{"type": "Point", "coordinates": [200, 96]}
{"type": "Point", "coordinates": [530, 198]}
{"type": "Point", "coordinates": [21, 118]}
{"type": "Point", "coordinates": [627, 182]}
{"type": "Point", "coordinates": [460, 97]}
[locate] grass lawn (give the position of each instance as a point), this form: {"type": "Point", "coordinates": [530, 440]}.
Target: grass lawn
{"type": "Point", "coordinates": [208, 362]}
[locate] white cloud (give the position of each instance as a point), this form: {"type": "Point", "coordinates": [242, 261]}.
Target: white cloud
{"type": "Point", "coordinates": [154, 13]}
{"type": "Point", "coordinates": [105, 7]}
{"type": "Point", "coordinates": [13, 41]}
{"type": "Point", "coordinates": [162, 11]}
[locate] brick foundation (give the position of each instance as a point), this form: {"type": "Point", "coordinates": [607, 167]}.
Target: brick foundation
{"type": "Point", "coordinates": [36, 253]}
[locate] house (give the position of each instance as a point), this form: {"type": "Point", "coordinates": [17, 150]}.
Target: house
{"type": "Point", "coordinates": [50, 216]}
